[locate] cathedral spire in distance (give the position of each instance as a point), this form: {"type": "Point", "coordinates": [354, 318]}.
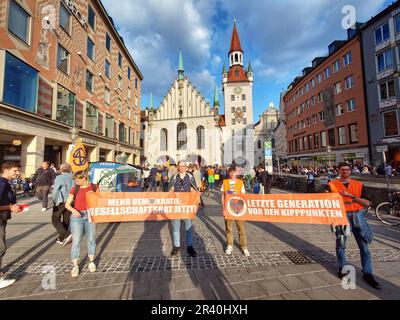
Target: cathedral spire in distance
{"type": "Point", "coordinates": [151, 102]}
{"type": "Point", "coordinates": [216, 97]}
{"type": "Point", "coordinates": [181, 70]}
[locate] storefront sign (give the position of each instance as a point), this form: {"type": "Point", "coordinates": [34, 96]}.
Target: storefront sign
{"type": "Point", "coordinates": [90, 142]}
{"type": "Point", "coordinates": [75, 11]}
{"type": "Point", "coordinates": [382, 149]}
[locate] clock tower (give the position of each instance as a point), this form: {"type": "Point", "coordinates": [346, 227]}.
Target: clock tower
{"type": "Point", "coordinates": [237, 86]}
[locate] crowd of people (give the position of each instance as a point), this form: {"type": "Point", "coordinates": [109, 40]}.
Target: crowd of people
{"type": "Point", "coordinates": [388, 169]}
{"type": "Point", "coordinates": [71, 219]}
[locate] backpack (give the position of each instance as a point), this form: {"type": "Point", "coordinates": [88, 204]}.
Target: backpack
{"type": "Point", "coordinates": [77, 188]}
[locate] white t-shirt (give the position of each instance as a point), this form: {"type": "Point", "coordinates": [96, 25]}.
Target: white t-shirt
{"type": "Point", "coordinates": [232, 184]}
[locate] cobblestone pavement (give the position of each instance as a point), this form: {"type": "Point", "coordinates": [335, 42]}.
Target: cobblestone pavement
{"type": "Point", "coordinates": [287, 262]}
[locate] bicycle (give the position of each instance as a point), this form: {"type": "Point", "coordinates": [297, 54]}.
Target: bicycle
{"type": "Point", "coordinates": [389, 212]}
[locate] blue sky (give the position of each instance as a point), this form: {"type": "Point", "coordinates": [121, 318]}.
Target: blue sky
{"type": "Point", "coordinates": [280, 38]}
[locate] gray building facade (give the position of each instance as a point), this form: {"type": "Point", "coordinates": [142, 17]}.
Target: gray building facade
{"type": "Point", "coordinates": [381, 54]}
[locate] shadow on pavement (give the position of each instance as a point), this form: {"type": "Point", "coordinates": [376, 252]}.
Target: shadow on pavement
{"type": "Point", "coordinates": [304, 246]}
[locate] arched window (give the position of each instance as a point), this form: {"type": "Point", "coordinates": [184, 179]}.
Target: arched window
{"type": "Point", "coordinates": [164, 140]}
{"type": "Point", "coordinates": [231, 59]}
{"type": "Point", "coordinates": [181, 139]}
{"type": "Point", "coordinates": [200, 138]}
{"type": "Point", "coordinates": [259, 144]}
{"type": "Point", "coordinates": [236, 58]}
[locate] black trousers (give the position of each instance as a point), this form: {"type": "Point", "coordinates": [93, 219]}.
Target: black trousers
{"type": "Point", "coordinates": [42, 193]}
{"type": "Point", "coordinates": [311, 187]}
{"type": "Point", "coordinates": [3, 246]}
{"type": "Point", "coordinates": [60, 220]}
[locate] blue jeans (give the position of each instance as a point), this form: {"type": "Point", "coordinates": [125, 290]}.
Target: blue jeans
{"type": "Point", "coordinates": [79, 226]}
{"type": "Point", "coordinates": [341, 240]}
{"type": "Point", "coordinates": [176, 232]}
{"type": "Point", "coordinates": [212, 185]}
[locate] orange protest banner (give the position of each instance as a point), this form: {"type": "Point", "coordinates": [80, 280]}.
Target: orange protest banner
{"type": "Point", "coordinates": [326, 208]}
{"type": "Point", "coordinates": [124, 207]}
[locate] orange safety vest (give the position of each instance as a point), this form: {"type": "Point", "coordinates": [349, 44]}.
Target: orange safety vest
{"type": "Point", "coordinates": [355, 187]}
{"type": "Point", "coordinates": [238, 186]}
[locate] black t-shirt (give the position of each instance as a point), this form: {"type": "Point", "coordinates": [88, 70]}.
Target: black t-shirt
{"type": "Point", "coordinates": [363, 193]}
{"type": "Point", "coordinates": [7, 197]}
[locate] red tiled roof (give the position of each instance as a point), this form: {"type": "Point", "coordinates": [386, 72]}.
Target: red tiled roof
{"type": "Point", "coordinates": [235, 42]}
{"type": "Point", "coordinates": [237, 74]}
{"type": "Point", "coordinates": [222, 122]}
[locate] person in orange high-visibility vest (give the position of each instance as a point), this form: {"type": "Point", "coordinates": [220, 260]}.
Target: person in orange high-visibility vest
{"type": "Point", "coordinates": [234, 186]}
{"type": "Point", "coordinates": [356, 205]}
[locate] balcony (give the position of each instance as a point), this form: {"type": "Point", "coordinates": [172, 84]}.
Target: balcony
{"type": "Point", "coordinates": [388, 103]}
{"type": "Point", "coordinates": [385, 74]}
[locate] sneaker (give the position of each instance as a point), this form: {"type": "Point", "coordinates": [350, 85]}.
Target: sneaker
{"type": "Point", "coordinates": [175, 251]}
{"type": "Point", "coordinates": [192, 252]}
{"type": "Point", "coordinates": [58, 241]}
{"type": "Point", "coordinates": [369, 278]}
{"type": "Point", "coordinates": [44, 209]}
{"type": "Point", "coordinates": [229, 250]}
{"type": "Point", "coordinates": [341, 275]}
{"type": "Point", "coordinates": [246, 252]}
{"type": "Point", "coordinates": [92, 267]}
{"type": "Point", "coordinates": [75, 272]}
{"type": "Point", "coordinates": [6, 283]}
{"type": "Point", "coordinates": [67, 240]}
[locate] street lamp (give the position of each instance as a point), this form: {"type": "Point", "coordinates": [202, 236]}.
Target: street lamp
{"type": "Point", "coordinates": [329, 155]}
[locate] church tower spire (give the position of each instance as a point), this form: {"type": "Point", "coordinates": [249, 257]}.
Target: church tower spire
{"type": "Point", "coordinates": [181, 70]}
{"type": "Point", "coordinates": [235, 51]}
{"type": "Point", "coordinates": [216, 97]}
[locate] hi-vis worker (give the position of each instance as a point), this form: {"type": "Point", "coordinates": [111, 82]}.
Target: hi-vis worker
{"type": "Point", "coordinates": [357, 205]}
{"type": "Point", "coordinates": [234, 186]}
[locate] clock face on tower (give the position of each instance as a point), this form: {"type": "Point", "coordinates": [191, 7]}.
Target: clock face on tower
{"type": "Point", "coordinates": [238, 90]}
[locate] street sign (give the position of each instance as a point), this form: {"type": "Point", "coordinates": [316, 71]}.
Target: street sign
{"type": "Point", "coordinates": [382, 149]}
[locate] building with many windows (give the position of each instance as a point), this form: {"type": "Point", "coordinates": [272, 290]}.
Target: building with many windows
{"type": "Point", "coordinates": [381, 50]}
{"type": "Point", "coordinates": [325, 109]}
{"type": "Point", "coordinates": [280, 135]}
{"type": "Point", "coordinates": [65, 72]}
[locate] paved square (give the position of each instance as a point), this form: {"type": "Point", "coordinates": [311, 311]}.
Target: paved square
{"type": "Point", "coordinates": [134, 263]}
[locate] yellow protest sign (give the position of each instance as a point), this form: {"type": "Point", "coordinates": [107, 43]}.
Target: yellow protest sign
{"type": "Point", "coordinates": [78, 157]}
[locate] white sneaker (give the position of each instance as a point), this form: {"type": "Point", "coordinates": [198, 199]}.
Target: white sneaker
{"type": "Point", "coordinates": [92, 267]}
{"type": "Point", "coordinates": [229, 250]}
{"type": "Point", "coordinates": [246, 253]}
{"type": "Point", "coordinates": [75, 272]}
{"type": "Point", "coordinates": [6, 283]}
{"type": "Point", "coordinates": [44, 209]}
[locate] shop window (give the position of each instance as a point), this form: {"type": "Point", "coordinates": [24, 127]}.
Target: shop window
{"type": "Point", "coordinates": [92, 121]}
{"type": "Point", "coordinates": [65, 106]}
{"type": "Point", "coordinates": [391, 124]}
{"type": "Point", "coordinates": [110, 126]}
{"type": "Point", "coordinates": [20, 84]}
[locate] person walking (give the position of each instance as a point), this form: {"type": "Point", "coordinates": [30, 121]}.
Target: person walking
{"type": "Point", "coordinates": [211, 178]}
{"type": "Point", "coordinates": [266, 180]}
{"type": "Point", "coordinates": [233, 185]}
{"type": "Point", "coordinates": [8, 206]}
{"type": "Point", "coordinates": [310, 181]}
{"type": "Point", "coordinates": [61, 216]}
{"type": "Point", "coordinates": [197, 177]}
{"type": "Point", "coordinates": [44, 178]}
{"type": "Point", "coordinates": [183, 182]}
{"type": "Point", "coordinates": [356, 203]}
{"type": "Point", "coordinates": [80, 223]}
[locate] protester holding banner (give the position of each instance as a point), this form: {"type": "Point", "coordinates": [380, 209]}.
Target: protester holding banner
{"type": "Point", "coordinates": [9, 171]}
{"type": "Point", "coordinates": [61, 216]}
{"type": "Point", "coordinates": [357, 205]}
{"type": "Point", "coordinates": [234, 186]}
{"type": "Point", "coordinates": [80, 222]}
{"type": "Point", "coordinates": [183, 182]}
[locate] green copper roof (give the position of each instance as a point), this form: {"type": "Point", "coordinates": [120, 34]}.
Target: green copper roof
{"type": "Point", "coordinates": [151, 101]}
{"type": "Point", "coordinates": [224, 68]}
{"type": "Point", "coordinates": [250, 68]}
{"type": "Point", "coordinates": [216, 97]}
{"type": "Point", "coordinates": [181, 70]}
